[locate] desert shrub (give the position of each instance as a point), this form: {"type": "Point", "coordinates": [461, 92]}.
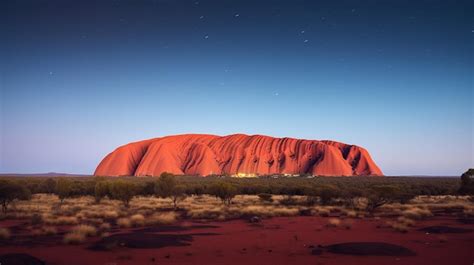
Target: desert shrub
{"type": "Point", "coordinates": [74, 238]}
{"type": "Point", "coordinates": [36, 219]}
{"type": "Point", "coordinates": [161, 218]}
{"type": "Point", "coordinates": [123, 191]}
{"type": "Point", "coordinates": [288, 200]}
{"type": "Point", "coordinates": [11, 191]}
{"type": "Point", "coordinates": [48, 186]}
{"type": "Point", "coordinates": [101, 190]}
{"type": "Point", "coordinates": [350, 213]}
{"type": "Point", "coordinates": [4, 233]}
{"type": "Point", "coordinates": [405, 221]}
{"type": "Point", "coordinates": [137, 220]}
{"type": "Point", "coordinates": [110, 214]}
{"type": "Point", "coordinates": [334, 222]}
{"type": "Point", "coordinates": [311, 200]}
{"type": "Point", "coordinates": [324, 212]}
{"type": "Point", "coordinates": [265, 197]}
{"type": "Point", "coordinates": [49, 230]}
{"type": "Point", "coordinates": [124, 222]}
{"type": "Point", "coordinates": [104, 227]}
{"type": "Point", "coordinates": [86, 230]}
{"type": "Point", "coordinates": [327, 194]}
{"type": "Point", "coordinates": [63, 189]}
{"type": "Point", "coordinates": [400, 227]}
{"type": "Point", "coordinates": [224, 191]}
{"type": "Point", "coordinates": [416, 213]}
{"type": "Point", "coordinates": [62, 220]}
{"type": "Point", "coordinates": [351, 196]}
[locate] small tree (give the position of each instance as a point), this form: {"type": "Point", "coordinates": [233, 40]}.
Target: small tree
{"type": "Point", "coordinates": [178, 194]}
{"type": "Point", "coordinates": [10, 191]}
{"type": "Point", "coordinates": [64, 189]}
{"type": "Point", "coordinates": [123, 191]}
{"type": "Point", "coordinates": [224, 191]}
{"type": "Point", "coordinates": [381, 195]}
{"type": "Point", "coordinates": [101, 190]}
{"type": "Point", "coordinates": [166, 187]}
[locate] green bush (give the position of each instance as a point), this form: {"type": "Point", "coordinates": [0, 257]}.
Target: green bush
{"type": "Point", "coordinates": [10, 191]}
{"type": "Point", "coordinates": [64, 189]}
{"type": "Point", "coordinates": [101, 190]}
{"type": "Point", "coordinates": [123, 191]}
{"type": "Point", "coordinates": [224, 191]}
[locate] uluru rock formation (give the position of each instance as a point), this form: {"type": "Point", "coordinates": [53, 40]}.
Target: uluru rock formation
{"type": "Point", "coordinates": [238, 154]}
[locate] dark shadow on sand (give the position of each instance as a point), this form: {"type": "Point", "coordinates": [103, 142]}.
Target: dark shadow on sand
{"type": "Point", "coordinates": [445, 230]}
{"type": "Point", "coordinates": [366, 249]}
{"type": "Point", "coordinates": [20, 259]}
{"type": "Point", "coordinates": [150, 237]}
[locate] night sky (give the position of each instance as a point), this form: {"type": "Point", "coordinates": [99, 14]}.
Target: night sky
{"type": "Point", "coordinates": [79, 78]}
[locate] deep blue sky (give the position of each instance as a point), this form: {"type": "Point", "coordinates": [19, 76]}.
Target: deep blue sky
{"type": "Point", "coordinates": [79, 78]}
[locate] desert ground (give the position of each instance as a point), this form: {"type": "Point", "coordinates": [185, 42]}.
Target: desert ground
{"type": "Point", "coordinates": [249, 229]}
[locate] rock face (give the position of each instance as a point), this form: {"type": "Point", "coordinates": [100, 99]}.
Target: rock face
{"type": "Point", "coordinates": [238, 154]}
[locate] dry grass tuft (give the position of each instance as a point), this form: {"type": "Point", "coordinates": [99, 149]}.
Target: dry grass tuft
{"type": "Point", "coordinates": [62, 220]}
{"type": "Point", "coordinates": [104, 227]}
{"type": "Point", "coordinates": [86, 230]}
{"type": "Point", "coordinates": [124, 222]}
{"type": "Point", "coordinates": [137, 220]}
{"type": "Point", "coordinates": [110, 215]}
{"type": "Point", "coordinates": [4, 233]}
{"type": "Point", "coordinates": [351, 214]}
{"type": "Point", "coordinates": [403, 228]}
{"type": "Point", "coordinates": [161, 218]}
{"type": "Point", "coordinates": [324, 212]}
{"type": "Point", "coordinates": [334, 222]}
{"type": "Point", "coordinates": [416, 213]}
{"type": "Point", "coordinates": [406, 221]}
{"type": "Point", "coordinates": [74, 238]}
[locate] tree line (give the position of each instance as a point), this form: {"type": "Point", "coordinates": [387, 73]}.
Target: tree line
{"type": "Point", "coordinates": [324, 190]}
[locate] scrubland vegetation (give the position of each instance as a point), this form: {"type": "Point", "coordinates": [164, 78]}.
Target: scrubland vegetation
{"type": "Point", "coordinates": [78, 208]}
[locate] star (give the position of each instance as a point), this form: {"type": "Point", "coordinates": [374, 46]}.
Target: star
{"type": "Point", "coordinates": [306, 41]}
{"type": "Point", "coordinates": [51, 73]}
{"type": "Point", "coordinates": [206, 37]}
{"type": "Point", "coordinates": [201, 17]}
{"type": "Point", "coordinates": [276, 94]}
{"type": "Point", "coordinates": [302, 32]}
{"type": "Point", "coordinates": [237, 15]}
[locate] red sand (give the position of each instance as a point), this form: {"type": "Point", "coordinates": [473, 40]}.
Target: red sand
{"type": "Point", "coordinates": [197, 154]}
{"type": "Point", "coordinates": [288, 239]}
